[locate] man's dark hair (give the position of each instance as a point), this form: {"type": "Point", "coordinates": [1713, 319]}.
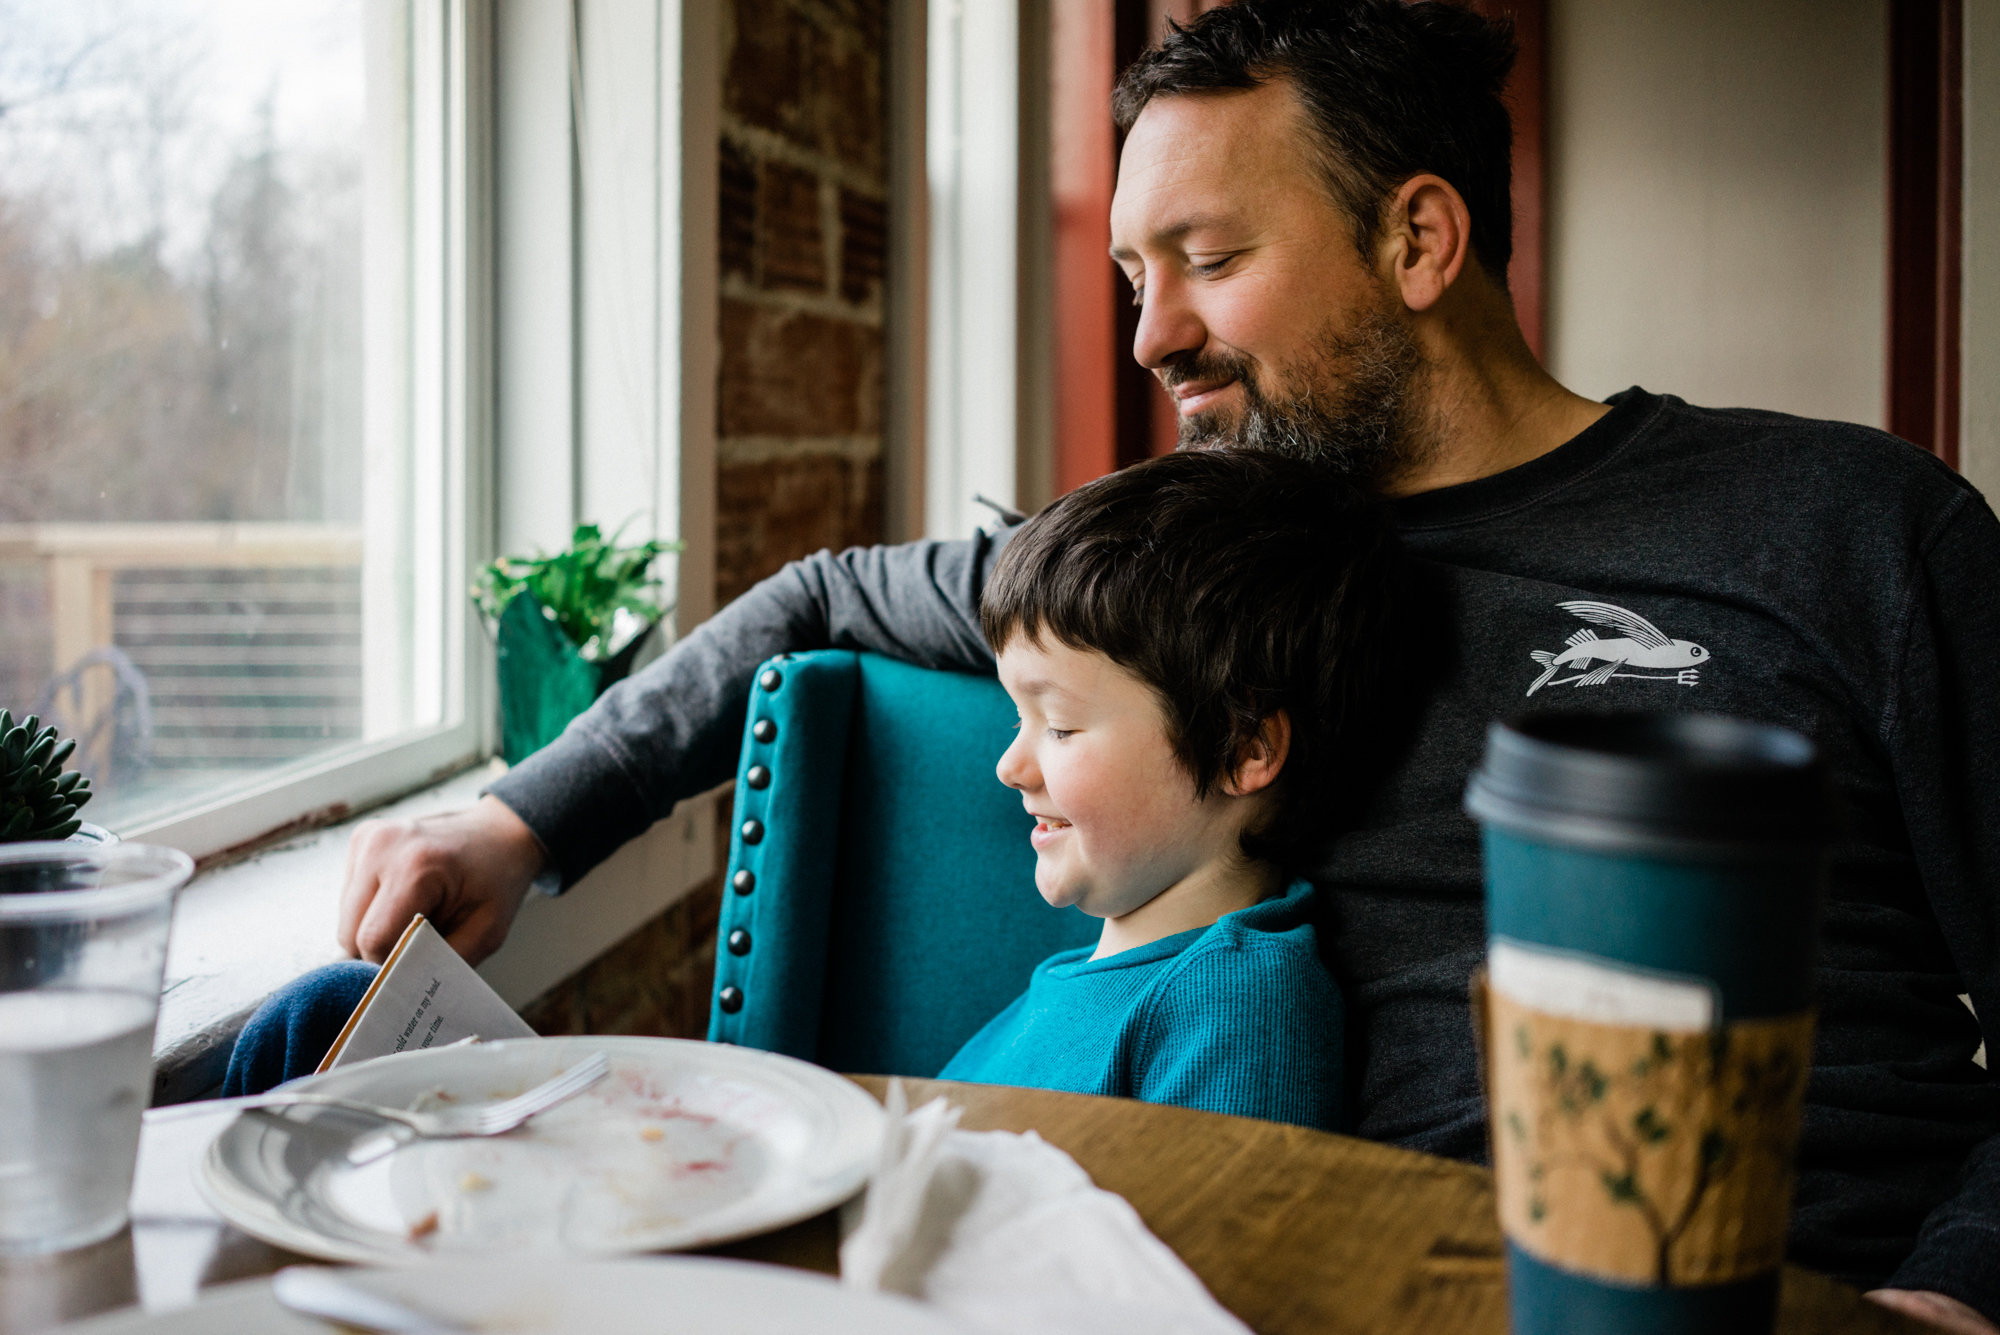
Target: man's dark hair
{"type": "Point", "coordinates": [1391, 90]}
{"type": "Point", "coordinates": [1234, 583]}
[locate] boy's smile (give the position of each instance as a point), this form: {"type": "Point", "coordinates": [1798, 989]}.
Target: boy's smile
{"type": "Point", "coordinates": [1047, 827]}
{"type": "Point", "coordinates": [1118, 831]}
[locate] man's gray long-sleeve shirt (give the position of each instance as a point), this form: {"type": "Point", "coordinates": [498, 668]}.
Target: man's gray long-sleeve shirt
{"type": "Point", "coordinates": [1843, 584]}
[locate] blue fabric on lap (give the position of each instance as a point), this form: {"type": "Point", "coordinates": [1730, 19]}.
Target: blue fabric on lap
{"type": "Point", "coordinates": [291, 1031]}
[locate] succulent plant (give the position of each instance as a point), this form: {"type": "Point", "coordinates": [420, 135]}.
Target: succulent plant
{"type": "Point", "coordinates": [38, 800]}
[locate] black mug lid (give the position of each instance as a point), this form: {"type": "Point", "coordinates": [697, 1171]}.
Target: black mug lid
{"type": "Point", "coordinates": [1652, 782]}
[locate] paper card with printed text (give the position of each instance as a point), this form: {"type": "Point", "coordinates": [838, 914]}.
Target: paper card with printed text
{"type": "Point", "coordinates": [425, 997]}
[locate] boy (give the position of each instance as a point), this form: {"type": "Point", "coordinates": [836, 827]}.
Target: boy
{"type": "Point", "coordinates": [1191, 644]}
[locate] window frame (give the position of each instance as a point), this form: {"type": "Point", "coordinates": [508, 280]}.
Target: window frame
{"type": "Point", "coordinates": [987, 354]}
{"type": "Point", "coordinates": [426, 282]}
{"type": "Point", "coordinates": [463, 378]}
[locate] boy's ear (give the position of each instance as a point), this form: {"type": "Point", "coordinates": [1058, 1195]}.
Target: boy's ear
{"type": "Point", "coordinates": [1262, 757]}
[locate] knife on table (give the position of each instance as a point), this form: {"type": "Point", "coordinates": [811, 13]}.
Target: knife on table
{"type": "Point", "coordinates": [324, 1293]}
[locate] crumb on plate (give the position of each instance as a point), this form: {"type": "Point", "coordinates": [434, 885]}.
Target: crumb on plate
{"type": "Point", "coordinates": [424, 1227]}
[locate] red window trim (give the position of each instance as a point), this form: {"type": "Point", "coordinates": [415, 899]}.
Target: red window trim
{"type": "Point", "coordinates": [1926, 221]}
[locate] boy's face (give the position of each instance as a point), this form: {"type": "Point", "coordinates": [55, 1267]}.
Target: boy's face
{"type": "Point", "coordinates": [1117, 819]}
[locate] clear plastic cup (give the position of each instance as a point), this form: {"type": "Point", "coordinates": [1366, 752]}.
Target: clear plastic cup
{"type": "Point", "coordinates": [83, 943]}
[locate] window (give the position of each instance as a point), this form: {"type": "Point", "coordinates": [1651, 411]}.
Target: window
{"type": "Point", "coordinates": [311, 308]}
{"type": "Point", "coordinates": [184, 564]}
{"type": "Point", "coordinates": [235, 484]}
{"type": "Point", "coordinates": [987, 374]}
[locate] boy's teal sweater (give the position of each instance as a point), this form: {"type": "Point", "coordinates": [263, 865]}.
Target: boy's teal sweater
{"type": "Point", "coordinates": [1236, 1017]}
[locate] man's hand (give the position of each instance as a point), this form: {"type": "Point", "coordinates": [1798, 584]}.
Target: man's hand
{"type": "Point", "coordinates": [1944, 1313]}
{"type": "Point", "coordinates": [467, 871]}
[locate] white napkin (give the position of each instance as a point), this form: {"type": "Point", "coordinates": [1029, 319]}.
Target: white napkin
{"type": "Point", "coordinates": [1005, 1232]}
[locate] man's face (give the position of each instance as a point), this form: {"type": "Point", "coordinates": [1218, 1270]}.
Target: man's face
{"type": "Point", "coordinates": [1260, 317]}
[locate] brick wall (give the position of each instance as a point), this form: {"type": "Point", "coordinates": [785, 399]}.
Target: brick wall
{"type": "Point", "coordinates": [655, 981]}
{"type": "Point", "coordinates": [803, 250]}
{"type": "Point", "coordinates": [799, 394]}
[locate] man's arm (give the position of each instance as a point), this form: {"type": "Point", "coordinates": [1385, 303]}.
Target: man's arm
{"type": "Point", "coordinates": [1945, 742]}
{"type": "Point", "coordinates": [667, 733]}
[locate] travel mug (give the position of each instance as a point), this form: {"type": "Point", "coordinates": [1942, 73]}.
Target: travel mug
{"type": "Point", "coordinates": [1652, 896]}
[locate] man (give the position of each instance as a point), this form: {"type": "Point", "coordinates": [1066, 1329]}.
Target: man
{"type": "Point", "coordinates": [1313, 209]}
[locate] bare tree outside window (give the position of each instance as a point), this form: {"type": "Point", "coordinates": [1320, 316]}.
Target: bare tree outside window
{"type": "Point", "coordinates": [180, 382]}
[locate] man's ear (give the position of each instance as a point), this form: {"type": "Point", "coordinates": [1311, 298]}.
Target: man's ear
{"type": "Point", "coordinates": [1262, 757]}
{"type": "Point", "coordinates": [1426, 239]}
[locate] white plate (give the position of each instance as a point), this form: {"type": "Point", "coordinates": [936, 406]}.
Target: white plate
{"type": "Point", "coordinates": [681, 1295]}
{"type": "Point", "coordinates": [683, 1144]}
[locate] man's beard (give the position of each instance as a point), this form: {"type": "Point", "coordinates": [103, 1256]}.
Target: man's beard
{"type": "Point", "coordinates": [1352, 405]}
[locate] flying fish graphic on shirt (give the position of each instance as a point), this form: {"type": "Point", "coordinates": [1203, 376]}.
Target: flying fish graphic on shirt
{"type": "Point", "coordinates": [1639, 644]}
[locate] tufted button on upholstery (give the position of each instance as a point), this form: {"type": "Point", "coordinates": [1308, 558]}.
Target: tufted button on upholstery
{"type": "Point", "coordinates": [764, 730]}
{"type": "Point", "coordinates": [731, 1000]}
{"type": "Point", "coordinates": [758, 777]}
{"type": "Point", "coordinates": [739, 942]}
{"type": "Point", "coordinates": [753, 831]}
{"type": "Point", "coordinates": [772, 679]}
{"type": "Point", "coordinates": [745, 881]}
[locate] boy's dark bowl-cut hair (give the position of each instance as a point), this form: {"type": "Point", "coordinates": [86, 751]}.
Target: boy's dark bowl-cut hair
{"type": "Point", "coordinates": [1235, 583]}
{"type": "Point", "coordinates": [1391, 90]}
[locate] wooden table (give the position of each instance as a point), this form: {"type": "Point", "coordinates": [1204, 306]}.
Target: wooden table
{"type": "Point", "coordinates": [1292, 1230]}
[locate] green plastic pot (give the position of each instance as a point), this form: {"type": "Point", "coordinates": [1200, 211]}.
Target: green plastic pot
{"type": "Point", "coordinates": [544, 681]}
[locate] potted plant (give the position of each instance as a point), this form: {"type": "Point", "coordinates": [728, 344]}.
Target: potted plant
{"type": "Point", "coordinates": [39, 799]}
{"type": "Point", "coordinates": [566, 627]}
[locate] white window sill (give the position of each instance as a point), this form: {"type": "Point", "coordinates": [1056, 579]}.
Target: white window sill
{"type": "Point", "coordinates": [244, 930]}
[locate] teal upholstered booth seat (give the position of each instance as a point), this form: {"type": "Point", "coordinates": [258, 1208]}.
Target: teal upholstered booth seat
{"type": "Point", "coordinates": [880, 903]}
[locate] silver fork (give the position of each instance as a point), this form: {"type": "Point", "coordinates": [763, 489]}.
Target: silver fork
{"type": "Point", "coordinates": [479, 1119]}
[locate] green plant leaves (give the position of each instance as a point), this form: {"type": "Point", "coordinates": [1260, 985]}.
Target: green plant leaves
{"type": "Point", "coordinates": [1650, 1127]}
{"type": "Point", "coordinates": [1623, 1187]}
{"type": "Point", "coordinates": [584, 587]}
